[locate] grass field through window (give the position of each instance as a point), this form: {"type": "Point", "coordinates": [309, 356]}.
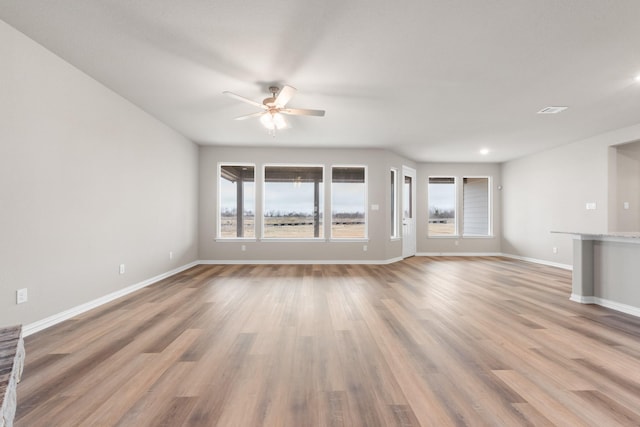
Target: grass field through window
{"type": "Point", "coordinates": [442, 229]}
{"type": "Point", "coordinates": [293, 227]}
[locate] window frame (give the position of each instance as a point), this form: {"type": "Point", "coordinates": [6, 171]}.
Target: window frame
{"type": "Point", "coordinates": [320, 211]}
{"type": "Point", "coordinates": [394, 197]}
{"type": "Point", "coordinates": [489, 208]}
{"type": "Point", "coordinates": [219, 236]}
{"type": "Point", "coordinates": [366, 204]}
{"type": "Point", "coordinates": [456, 216]}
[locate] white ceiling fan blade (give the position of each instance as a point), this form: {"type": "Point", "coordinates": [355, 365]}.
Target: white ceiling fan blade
{"type": "Point", "coordinates": [243, 99]}
{"type": "Point", "coordinates": [302, 112]}
{"type": "Point", "coordinates": [249, 116]}
{"type": "Point", "coordinates": [285, 95]}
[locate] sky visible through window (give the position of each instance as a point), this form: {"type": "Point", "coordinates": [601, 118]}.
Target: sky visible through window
{"type": "Point", "coordinates": [287, 197]}
{"type": "Point", "coordinates": [228, 195]}
{"type": "Point", "coordinates": [442, 196]}
{"type": "Point", "coordinates": [349, 198]}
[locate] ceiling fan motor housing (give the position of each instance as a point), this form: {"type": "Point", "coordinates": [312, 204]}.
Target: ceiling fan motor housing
{"type": "Point", "coordinates": [271, 101]}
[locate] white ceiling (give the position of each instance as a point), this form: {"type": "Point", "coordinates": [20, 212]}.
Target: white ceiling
{"type": "Point", "coordinates": [433, 80]}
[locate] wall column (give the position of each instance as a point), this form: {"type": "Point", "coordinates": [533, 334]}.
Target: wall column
{"type": "Point", "coordinates": [582, 283]}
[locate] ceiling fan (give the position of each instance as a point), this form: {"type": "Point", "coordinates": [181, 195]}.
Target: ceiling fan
{"type": "Point", "coordinates": [274, 107]}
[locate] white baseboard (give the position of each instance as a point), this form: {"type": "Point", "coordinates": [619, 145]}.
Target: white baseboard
{"type": "Point", "coordinates": [628, 309]}
{"type": "Point", "coordinates": [582, 299]}
{"type": "Point", "coordinates": [539, 261]}
{"type": "Point", "coordinates": [519, 258]}
{"type": "Point", "coordinates": [623, 308]}
{"type": "Point", "coordinates": [34, 327]}
{"type": "Point", "coordinates": [304, 262]}
{"type": "Point", "coordinates": [458, 254]}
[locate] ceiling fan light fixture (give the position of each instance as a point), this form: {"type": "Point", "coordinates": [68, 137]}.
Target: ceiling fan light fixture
{"type": "Point", "coordinates": [279, 121]}
{"type": "Point", "coordinates": [273, 121]}
{"type": "Point", "coordinates": [267, 121]}
{"type": "Point", "coordinates": [274, 108]}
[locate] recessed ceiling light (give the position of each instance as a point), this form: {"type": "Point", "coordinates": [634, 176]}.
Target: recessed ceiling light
{"type": "Point", "coordinates": [552, 110]}
{"type": "Point", "coordinates": [484, 151]}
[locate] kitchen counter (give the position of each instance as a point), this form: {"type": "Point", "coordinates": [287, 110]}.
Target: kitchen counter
{"type": "Point", "coordinates": [606, 269]}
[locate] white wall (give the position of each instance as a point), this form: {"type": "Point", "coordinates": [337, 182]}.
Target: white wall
{"type": "Point", "coordinates": [548, 192]}
{"type": "Point", "coordinates": [379, 246]}
{"type": "Point", "coordinates": [627, 187]}
{"type": "Point", "coordinates": [458, 244]}
{"type": "Point", "coordinates": [87, 181]}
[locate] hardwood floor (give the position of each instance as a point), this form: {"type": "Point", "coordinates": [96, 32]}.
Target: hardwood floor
{"type": "Point", "coordinates": [426, 341]}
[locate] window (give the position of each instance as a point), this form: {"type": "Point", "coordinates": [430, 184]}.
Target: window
{"type": "Point", "coordinates": [407, 195]}
{"type": "Point", "coordinates": [394, 203]}
{"type": "Point", "coordinates": [293, 202]}
{"type": "Point", "coordinates": [236, 214]}
{"type": "Point", "coordinates": [442, 206]}
{"type": "Point", "coordinates": [348, 202]}
{"type": "Point", "coordinates": [475, 207]}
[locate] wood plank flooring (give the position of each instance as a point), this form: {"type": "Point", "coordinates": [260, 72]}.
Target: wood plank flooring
{"type": "Point", "coordinates": [424, 342]}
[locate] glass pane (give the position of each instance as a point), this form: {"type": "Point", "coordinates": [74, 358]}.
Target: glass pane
{"type": "Point", "coordinates": [475, 195]}
{"type": "Point", "coordinates": [293, 200]}
{"type": "Point", "coordinates": [406, 198]}
{"type": "Point", "coordinates": [348, 198]}
{"type": "Point", "coordinates": [237, 201]}
{"type": "Point", "coordinates": [442, 206]}
{"type": "Point", "coordinates": [394, 205]}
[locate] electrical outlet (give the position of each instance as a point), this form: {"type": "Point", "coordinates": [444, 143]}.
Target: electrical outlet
{"type": "Point", "coordinates": [591, 206]}
{"type": "Point", "coordinates": [555, 250]}
{"type": "Point", "coordinates": [22, 296]}
{"type": "Point", "coordinates": [625, 205]}
{"type": "Point", "coordinates": [364, 248]}
{"type": "Point", "coordinates": [122, 269]}
{"type": "Point", "coordinates": [170, 254]}
{"type": "Point", "coordinates": [243, 248]}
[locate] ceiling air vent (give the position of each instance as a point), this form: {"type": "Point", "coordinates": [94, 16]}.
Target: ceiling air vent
{"type": "Point", "coordinates": [552, 110]}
